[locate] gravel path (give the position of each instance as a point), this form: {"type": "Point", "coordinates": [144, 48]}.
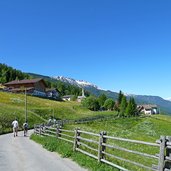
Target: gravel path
{"type": "Point", "coordinates": [22, 154]}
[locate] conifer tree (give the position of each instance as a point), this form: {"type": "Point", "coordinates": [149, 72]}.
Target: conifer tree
{"type": "Point", "coordinates": [131, 109]}
{"type": "Point", "coordinates": [123, 106]}
{"type": "Point", "coordinates": [120, 95]}
{"type": "Point", "coordinates": [128, 111]}
{"type": "Point", "coordinates": [134, 107]}
{"type": "Point", "coordinates": [118, 102]}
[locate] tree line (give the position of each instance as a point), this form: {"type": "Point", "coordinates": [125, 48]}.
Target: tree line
{"type": "Point", "coordinates": [125, 107]}
{"type": "Point", "coordinates": [8, 74]}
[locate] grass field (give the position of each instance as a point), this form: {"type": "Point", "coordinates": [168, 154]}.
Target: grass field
{"type": "Point", "coordinates": [141, 128]}
{"type": "Point", "coordinates": [147, 129]}
{"type": "Point", "coordinates": [39, 110]}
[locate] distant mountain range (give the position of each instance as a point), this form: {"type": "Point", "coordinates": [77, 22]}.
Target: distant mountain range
{"type": "Point", "coordinates": [79, 83]}
{"type": "Point", "coordinates": [164, 105]}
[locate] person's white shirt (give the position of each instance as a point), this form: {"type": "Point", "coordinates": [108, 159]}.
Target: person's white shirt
{"type": "Point", "coordinates": [15, 124]}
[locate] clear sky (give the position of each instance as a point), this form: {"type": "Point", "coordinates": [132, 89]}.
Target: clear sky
{"type": "Point", "coordinates": [115, 44]}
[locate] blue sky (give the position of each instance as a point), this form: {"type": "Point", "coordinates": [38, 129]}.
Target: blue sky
{"type": "Point", "coordinates": [117, 45]}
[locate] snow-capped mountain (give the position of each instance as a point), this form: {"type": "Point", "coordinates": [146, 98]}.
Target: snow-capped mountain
{"type": "Point", "coordinates": [169, 99]}
{"type": "Point", "coordinates": [129, 95]}
{"type": "Point", "coordinates": [79, 83]}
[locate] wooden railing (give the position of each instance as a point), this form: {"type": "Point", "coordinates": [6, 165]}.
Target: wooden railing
{"type": "Point", "coordinates": [85, 120]}
{"type": "Point", "coordinates": [111, 150]}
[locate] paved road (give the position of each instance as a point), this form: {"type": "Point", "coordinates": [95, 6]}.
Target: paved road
{"type": "Point", "coordinates": [22, 154]}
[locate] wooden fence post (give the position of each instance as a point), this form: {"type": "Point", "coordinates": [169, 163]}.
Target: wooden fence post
{"type": "Point", "coordinates": [76, 140]}
{"type": "Point", "coordinates": [161, 164]}
{"type": "Point", "coordinates": [34, 128]}
{"type": "Point", "coordinates": [57, 131]}
{"type": "Point", "coordinates": [104, 147]}
{"type": "Point", "coordinates": [39, 130]}
{"type": "Point", "coordinates": [168, 153]}
{"type": "Point", "coordinates": [100, 146]}
{"type": "Point", "coordinates": [44, 128]}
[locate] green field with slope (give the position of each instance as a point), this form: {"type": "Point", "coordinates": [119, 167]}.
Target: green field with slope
{"type": "Point", "coordinates": [39, 110]}
{"type": "Point", "coordinates": [145, 128]}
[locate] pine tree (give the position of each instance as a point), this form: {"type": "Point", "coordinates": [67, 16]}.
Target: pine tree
{"type": "Point", "coordinates": [123, 106]}
{"type": "Point", "coordinates": [134, 107]}
{"type": "Point", "coordinates": [128, 111]}
{"type": "Point", "coordinates": [131, 109]}
{"type": "Point", "coordinates": [120, 95]}
{"type": "Point", "coordinates": [119, 100]}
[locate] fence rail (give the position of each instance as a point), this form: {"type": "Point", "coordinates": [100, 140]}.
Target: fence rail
{"type": "Point", "coordinates": [85, 120]}
{"type": "Point", "coordinates": [102, 147]}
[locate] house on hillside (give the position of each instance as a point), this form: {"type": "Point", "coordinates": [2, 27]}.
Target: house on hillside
{"type": "Point", "coordinates": [35, 87]}
{"type": "Point", "coordinates": [148, 109]}
{"type": "Point", "coordinates": [80, 98]}
{"type": "Point", "coordinates": [52, 93]}
{"type": "Point", "coordinates": [67, 97]}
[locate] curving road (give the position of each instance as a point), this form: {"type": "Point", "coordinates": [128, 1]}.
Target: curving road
{"type": "Point", "coordinates": [22, 154]}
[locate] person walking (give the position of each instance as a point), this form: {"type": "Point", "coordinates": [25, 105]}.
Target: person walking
{"type": "Point", "coordinates": [50, 121]}
{"type": "Point", "coordinates": [25, 127]}
{"type": "Point", "coordinates": [15, 127]}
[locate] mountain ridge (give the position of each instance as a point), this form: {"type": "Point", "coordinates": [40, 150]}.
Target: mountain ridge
{"type": "Point", "coordinates": [79, 83]}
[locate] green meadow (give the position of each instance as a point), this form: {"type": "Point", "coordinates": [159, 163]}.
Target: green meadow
{"type": "Point", "coordinates": [39, 110]}
{"type": "Point", "coordinates": [144, 128]}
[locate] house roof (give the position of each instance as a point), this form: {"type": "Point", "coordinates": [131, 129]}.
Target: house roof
{"type": "Point", "coordinates": [52, 89]}
{"type": "Point", "coordinates": [67, 96]}
{"type": "Point", "coordinates": [27, 81]}
{"type": "Point", "coordinates": [148, 106]}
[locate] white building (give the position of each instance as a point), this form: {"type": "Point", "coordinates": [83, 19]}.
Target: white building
{"type": "Point", "coordinates": [67, 97]}
{"type": "Point", "coordinates": [148, 109]}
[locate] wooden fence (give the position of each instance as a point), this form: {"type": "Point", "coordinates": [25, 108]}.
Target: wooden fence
{"type": "Point", "coordinates": [86, 120]}
{"type": "Point", "coordinates": [111, 150]}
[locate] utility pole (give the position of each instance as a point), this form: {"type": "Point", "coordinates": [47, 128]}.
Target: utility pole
{"type": "Point", "coordinates": [25, 104]}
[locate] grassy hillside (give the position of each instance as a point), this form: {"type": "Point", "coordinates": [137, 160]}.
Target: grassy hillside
{"type": "Point", "coordinates": [147, 129]}
{"type": "Point", "coordinates": [141, 128]}
{"type": "Point", "coordinates": [39, 110]}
